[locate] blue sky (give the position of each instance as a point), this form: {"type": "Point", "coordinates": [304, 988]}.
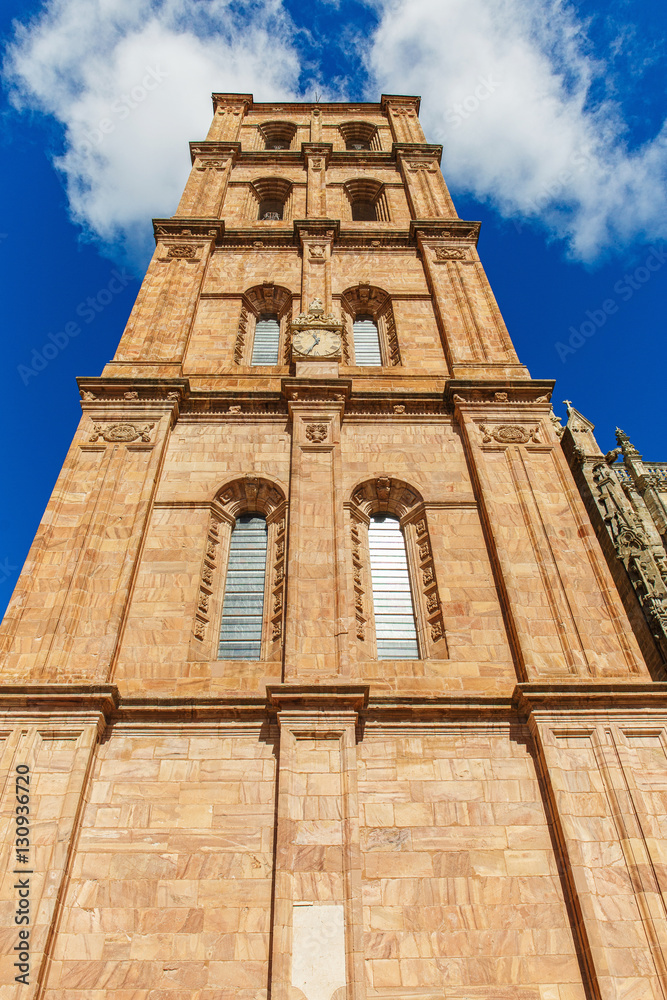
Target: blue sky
{"type": "Point", "coordinates": [552, 119]}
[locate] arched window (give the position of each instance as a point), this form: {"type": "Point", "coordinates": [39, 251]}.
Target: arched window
{"type": "Point", "coordinates": [260, 339]}
{"type": "Point", "coordinates": [277, 135]}
{"type": "Point", "coordinates": [266, 343]}
{"type": "Point", "coordinates": [367, 200]}
{"type": "Point", "coordinates": [369, 317]}
{"type": "Point", "coordinates": [395, 631]}
{"type": "Point", "coordinates": [366, 341]}
{"type": "Point", "coordinates": [359, 135]}
{"type": "Point", "coordinates": [397, 609]}
{"type": "Point", "coordinates": [243, 608]}
{"type": "Point", "coordinates": [272, 196]}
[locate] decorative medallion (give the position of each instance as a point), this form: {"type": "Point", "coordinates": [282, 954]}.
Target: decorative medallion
{"type": "Point", "coordinates": [449, 253]}
{"type": "Point", "coordinates": [185, 250]}
{"type": "Point", "coordinates": [509, 434]}
{"type": "Point", "coordinates": [121, 432]}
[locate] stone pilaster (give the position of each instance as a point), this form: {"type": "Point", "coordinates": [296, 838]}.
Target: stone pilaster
{"type": "Point", "coordinates": [206, 187]}
{"type": "Point", "coordinates": [229, 111]}
{"type": "Point", "coordinates": [317, 913]}
{"type": "Point", "coordinates": [603, 778]}
{"type": "Point", "coordinates": [403, 115]}
{"type": "Point", "coordinates": [156, 336]}
{"type": "Point", "coordinates": [316, 158]}
{"type": "Point", "coordinates": [424, 184]}
{"type": "Point", "coordinates": [317, 239]}
{"type": "Point", "coordinates": [564, 615]}
{"type": "Point", "coordinates": [317, 624]}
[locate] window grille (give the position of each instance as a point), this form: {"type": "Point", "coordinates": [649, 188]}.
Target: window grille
{"type": "Point", "coordinates": [271, 208]}
{"type": "Point", "coordinates": [366, 341]}
{"type": "Point", "coordinates": [395, 629]}
{"type": "Point", "coordinates": [266, 342]}
{"type": "Point", "coordinates": [243, 608]}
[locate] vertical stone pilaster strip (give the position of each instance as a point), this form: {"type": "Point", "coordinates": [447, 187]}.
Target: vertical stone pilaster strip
{"type": "Point", "coordinates": [317, 247]}
{"type": "Point", "coordinates": [314, 636]}
{"type": "Point", "coordinates": [318, 858]}
{"type": "Point", "coordinates": [229, 112]}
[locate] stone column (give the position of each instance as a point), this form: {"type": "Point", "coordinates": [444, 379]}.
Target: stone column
{"type": "Point", "coordinates": [564, 615]}
{"type": "Point", "coordinates": [229, 111]}
{"type": "Point", "coordinates": [317, 949]}
{"type": "Point", "coordinates": [206, 187]}
{"type": "Point", "coordinates": [603, 778]}
{"type": "Point", "coordinates": [317, 625]}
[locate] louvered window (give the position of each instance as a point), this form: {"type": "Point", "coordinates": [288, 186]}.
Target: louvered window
{"type": "Point", "coordinates": [243, 609]}
{"type": "Point", "coordinates": [392, 600]}
{"type": "Point", "coordinates": [265, 344]}
{"type": "Point", "coordinates": [366, 341]}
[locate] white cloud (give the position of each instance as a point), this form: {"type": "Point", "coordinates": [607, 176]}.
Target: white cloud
{"type": "Point", "coordinates": [145, 69]}
{"type": "Point", "coordinates": [507, 87]}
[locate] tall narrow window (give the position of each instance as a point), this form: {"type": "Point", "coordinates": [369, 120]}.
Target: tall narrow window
{"type": "Point", "coordinates": [243, 609]}
{"type": "Point", "coordinates": [266, 342]}
{"type": "Point", "coordinates": [366, 341]}
{"type": "Point", "coordinates": [392, 600]}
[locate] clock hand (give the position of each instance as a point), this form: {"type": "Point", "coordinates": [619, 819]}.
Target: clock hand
{"type": "Point", "coordinates": [317, 340]}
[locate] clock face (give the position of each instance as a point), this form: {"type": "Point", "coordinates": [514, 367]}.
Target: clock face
{"type": "Point", "coordinates": [316, 344]}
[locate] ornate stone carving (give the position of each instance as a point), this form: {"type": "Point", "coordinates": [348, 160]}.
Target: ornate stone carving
{"type": "Point", "coordinates": [202, 617]}
{"type": "Point", "coordinates": [414, 166]}
{"type": "Point", "coordinates": [185, 250]}
{"type": "Point", "coordinates": [124, 433]}
{"type": "Point", "coordinates": [509, 434]}
{"type": "Point", "coordinates": [316, 432]}
{"type": "Point", "coordinates": [443, 254]}
{"type": "Point", "coordinates": [318, 251]}
{"type": "Point", "coordinates": [130, 395]}
{"type": "Point", "coordinates": [239, 347]}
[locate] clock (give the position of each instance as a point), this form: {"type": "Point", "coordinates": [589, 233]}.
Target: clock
{"type": "Point", "coordinates": [316, 343]}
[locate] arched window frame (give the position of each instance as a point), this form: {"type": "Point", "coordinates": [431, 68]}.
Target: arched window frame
{"type": "Point", "coordinates": [365, 189]}
{"type": "Point", "coordinates": [270, 189]}
{"type": "Point", "coordinates": [277, 131]}
{"type": "Point", "coordinates": [262, 300]}
{"type": "Point", "coordinates": [243, 496]}
{"type": "Point", "coordinates": [362, 132]}
{"type": "Point", "coordinates": [394, 496]}
{"type": "Point", "coordinates": [368, 300]}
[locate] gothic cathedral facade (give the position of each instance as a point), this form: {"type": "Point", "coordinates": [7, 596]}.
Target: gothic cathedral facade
{"type": "Point", "coordinates": [316, 684]}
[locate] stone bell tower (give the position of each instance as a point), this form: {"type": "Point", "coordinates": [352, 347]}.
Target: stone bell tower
{"type": "Point", "coordinates": [320, 680]}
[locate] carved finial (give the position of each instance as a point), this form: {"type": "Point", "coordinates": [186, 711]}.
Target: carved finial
{"type": "Point", "coordinates": [568, 403]}
{"type": "Point", "coordinates": [626, 444]}
{"type": "Point", "coordinates": [316, 308]}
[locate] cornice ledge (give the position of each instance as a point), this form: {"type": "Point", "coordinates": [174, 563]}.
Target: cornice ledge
{"type": "Point", "coordinates": [324, 149]}
{"type": "Point", "coordinates": [51, 699]}
{"type": "Point", "coordinates": [444, 229]}
{"type": "Point", "coordinates": [316, 227]}
{"type": "Point", "coordinates": [405, 99]}
{"type": "Point", "coordinates": [590, 697]}
{"type": "Point", "coordinates": [96, 389]}
{"type": "Point", "coordinates": [315, 390]}
{"type": "Point", "coordinates": [400, 149]}
{"type": "Point", "coordinates": [188, 229]}
{"type": "Point", "coordinates": [320, 697]}
{"type": "Point", "coordinates": [210, 147]}
{"type": "Point", "coordinates": [485, 391]}
{"type": "Point", "coordinates": [452, 707]}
